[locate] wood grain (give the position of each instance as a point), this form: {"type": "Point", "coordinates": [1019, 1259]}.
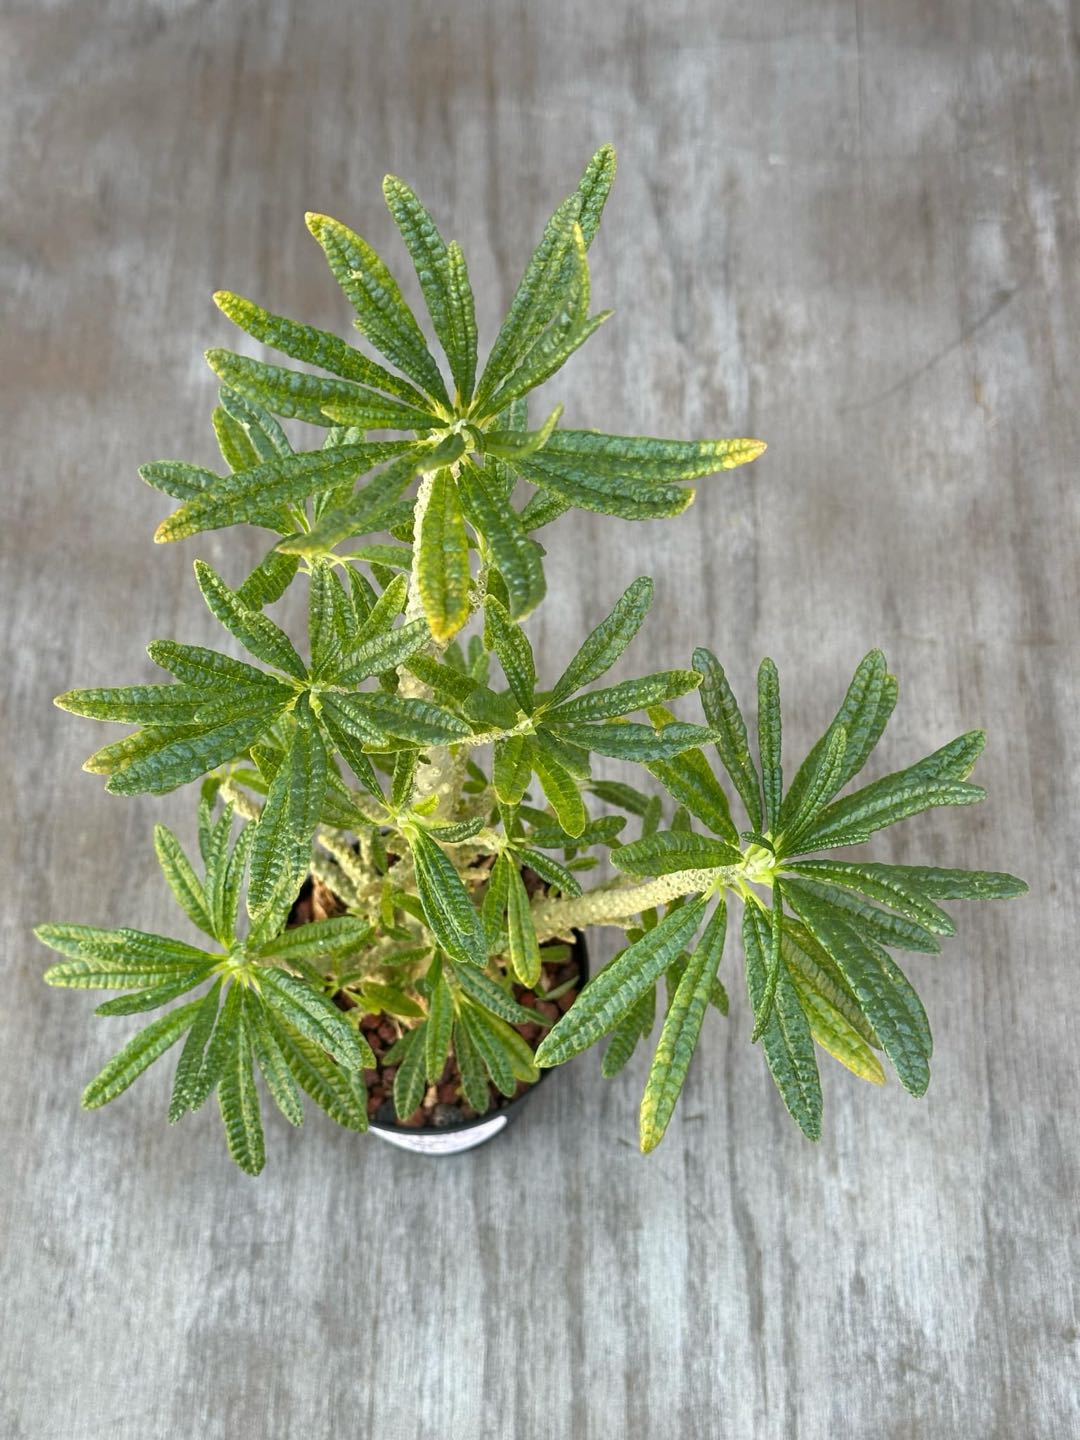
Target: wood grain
{"type": "Point", "coordinates": [849, 228]}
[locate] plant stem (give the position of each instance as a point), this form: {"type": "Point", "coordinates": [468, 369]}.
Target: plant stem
{"type": "Point", "coordinates": [619, 904]}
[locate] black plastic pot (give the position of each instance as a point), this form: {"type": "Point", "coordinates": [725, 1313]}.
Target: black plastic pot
{"type": "Point", "coordinates": [467, 1134]}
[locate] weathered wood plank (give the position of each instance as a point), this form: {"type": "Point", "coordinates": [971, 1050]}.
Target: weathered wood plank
{"type": "Point", "coordinates": [851, 229]}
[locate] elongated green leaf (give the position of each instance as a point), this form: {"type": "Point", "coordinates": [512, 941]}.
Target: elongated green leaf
{"type": "Point", "coordinates": [448, 909]}
{"type": "Point", "coordinates": [335, 938]}
{"type": "Point", "coordinates": [667, 851]}
{"type": "Point", "coordinates": [166, 760]}
{"type": "Point", "coordinates": [607, 642]}
{"type": "Point", "coordinates": [640, 457]}
{"type": "Point", "coordinates": [774, 964]}
{"type": "Point", "coordinates": [512, 768]}
{"type": "Point", "coordinates": [189, 1090]}
{"type": "Point", "coordinates": [786, 1039]}
{"type": "Point", "coordinates": [772, 775]}
{"type": "Point", "coordinates": [511, 646]}
{"type": "Point", "coordinates": [517, 558]}
{"type": "Point", "coordinates": [629, 499]}
{"type": "Point", "coordinates": [537, 298]}
{"type": "Point", "coordinates": [370, 508]}
{"type": "Point", "coordinates": [409, 1077]}
{"type": "Point", "coordinates": [474, 1081]}
{"type": "Point", "coordinates": [554, 837]}
{"type": "Point", "coordinates": [156, 995]}
{"type": "Point", "coordinates": [248, 496]}
{"type": "Point", "coordinates": [524, 950]}
{"type": "Point", "coordinates": [313, 347]}
{"type": "Point", "coordinates": [443, 680]}
{"type": "Point", "coordinates": [859, 962]}
{"type": "Point", "coordinates": [936, 883]}
{"type": "Point", "coordinates": [268, 581]}
{"type": "Point", "coordinates": [863, 715]}
{"type": "Point", "coordinates": [490, 1045]}
{"type": "Point", "coordinates": [339, 1092]}
{"type": "Point", "coordinates": [196, 665]}
{"type": "Point", "coordinates": [438, 1029]}
{"type": "Point", "coordinates": [561, 789]}
{"type": "Point", "coordinates": [183, 882]}
{"type": "Point", "coordinates": [821, 783]}
{"type": "Point", "coordinates": [416, 721]}
{"type": "Point", "coordinates": [688, 778]}
{"type": "Point", "coordinates": [271, 1060]}
{"type": "Point", "coordinates": [856, 817]}
{"type": "Point", "coordinates": [885, 927]}
{"type": "Point", "coordinates": [889, 884]}
{"type": "Point", "coordinates": [255, 631]}
{"type": "Point", "coordinates": [835, 1035]}
{"type": "Point", "coordinates": [138, 1055]}
{"type": "Point", "coordinates": [679, 1036]}
{"type": "Point", "coordinates": [514, 445]}
{"type": "Point", "coordinates": [383, 652]}
{"type": "Point", "coordinates": [636, 1023]}
{"type": "Point", "coordinates": [299, 395]}
{"type": "Point", "coordinates": [314, 1016]}
{"type": "Point", "coordinates": [806, 960]}
{"type": "Point", "coordinates": [609, 995]}
{"type": "Point", "coordinates": [594, 188]}
{"type": "Point", "coordinates": [629, 695]}
{"type": "Point", "coordinates": [443, 563]}
{"type": "Point", "coordinates": [381, 312]}
{"type": "Point", "coordinates": [550, 353]}
{"type": "Point", "coordinates": [724, 716]}
{"type": "Point", "coordinates": [628, 741]}
{"type": "Point", "coordinates": [238, 1101]}
{"type": "Point", "coordinates": [281, 851]}
{"type": "Point", "coordinates": [556, 875]}
{"type": "Point", "coordinates": [491, 996]}
{"type": "Point", "coordinates": [150, 705]}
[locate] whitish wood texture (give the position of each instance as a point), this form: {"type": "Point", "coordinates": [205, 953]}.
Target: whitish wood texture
{"type": "Point", "coordinates": [850, 228]}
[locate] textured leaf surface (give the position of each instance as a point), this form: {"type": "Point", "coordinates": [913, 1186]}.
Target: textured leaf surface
{"type": "Point", "coordinates": [786, 1039]}
{"type": "Point", "coordinates": [724, 716]}
{"type": "Point", "coordinates": [443, 565]}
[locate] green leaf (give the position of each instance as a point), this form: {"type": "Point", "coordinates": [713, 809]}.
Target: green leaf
{"type": "Point", "coordinates": [314, 1016]}
{"type": "Point", "coordinates": [496, 896]}
{"type": "Point", "coordinates": [607, 642]}
{"type": "Point", "coordinates": [772, 775]}
{"type": "Point", "coordinates": [381, 313]}
{"type": "Point", "coordinates": [183, 882]}
{"type": "Point", "coordinates": [514, 445]}
{"type": "Point", "coordinates": [269, 580]}
{"type": "Point", "coordinates": [409, 1078]}
{"type": "Point", "coordinates": [511, 645]}
{"type": "Point", "coordinates": [383, 652]}
{"type": "Point", "coordinates": [596, 490]}
{"type": "Point", "coordinates": [860, 963]}
{"type": "Point", "coordinates": [443, 560]}
{"type": "Point", "coordinates": [491, 996]}
{"type": "Point", "coordinates": [151, 705]}
{"type": "Point", "coordinates": [512, 768]}
{"type": "Point", "coordinates": [524, 950]}
{"type": "Point", "coordinates": [123, 950]}
{"type": "Point", "coordinates": [886, 928]}
{"type": "Point", "coordinates": [667, 851]}
{"type": "Point", "coordinates": [862, 716]}
{"type": "Point", "coordinates": [774, 964]}
{"type": "Point", "coordinates": [448, 908]}
{"type": "Point", "coordinates": [444, 282]}
{"type": "Point", "coordinates": [248, 496]}
{"type": "Point", "coordinates": [281, 851]}
{"type": "Point", "coordinates": [536, 299]}
{"type": "Point", "coordinates": [821, 784]}
{"type": "Point", "coordinates": [190, 1088]}
{"type": "Point", "coordinates": [372, 507]}
{"type": "Point", "coordinates": [638, 457]}
{"type": "Point", "coordinates": [490, 1045]}
{"type": "Point", "coordinates": [138, 1055]}
{"type": "Point", "coordinates": [622, 699]}
{"type": "Point", "coordinates": [834, 1034]}
{"type": "Point", "coordinates": [313, 347]}
{"type": "Point", "coordinates": [935, 883]}
{"type": "Point", "coordinates": [238, 1100]}
{"type": "Point", "coordinates": [560, 788]}
{"type": "Point", "coordinates": [856, 817]}
{"type": "Point", "coordinates": [416, 721]}
{"type": "Point", "coordinates": [335, 938]}
{"type": "Point", "coordinates": [890, 884]}
{"type": "Point", "coordinates": [807, 961]}
{"type": "Point", "coordinates": [474, 1082]}
{"type": "Point", "coordinates": [688, 778]}
{"type": "Point", "coordinates": [271, 1060]}
{"type": "Point", "coordinates": [299, 395]}
{"type": "Point", "coordinates": [628, 741]}
{"type": "Point", "coordinates": [255, 631]}
{"type": "Point", "coordinates": [786, 1038]}
{"type": "Point", "coordinates": [636, 1023]}
{"type": "Point", "coordinates": [724, 716]}
{"type": "Point", "coordinates": [594, 188]}
{"type": "Point", "coordinates": [438, 1029]}
{"type": "Point", "coordinates": [609, 995]}
{"type": "Point", "coordinates": [556, 875]}
{"type": "Point", "coordinates": [156, 995]}
{"type": "Point", "coordinates": [340, 1093]}
{"type": "Point", "coordinates": [679, 1036]}
{"type": "Point", "coordinates": [157, 761]}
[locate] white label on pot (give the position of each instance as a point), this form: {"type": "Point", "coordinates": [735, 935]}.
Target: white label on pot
{"type": "Point", "coordinates": [434, 1142]}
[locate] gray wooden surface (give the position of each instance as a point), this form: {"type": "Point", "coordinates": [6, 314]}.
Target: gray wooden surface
{"type": "Point", "coordinates": [850, 228]}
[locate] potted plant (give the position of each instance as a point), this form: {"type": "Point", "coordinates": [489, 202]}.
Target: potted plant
{"type": "Point", "coordinates": [434, 803]}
